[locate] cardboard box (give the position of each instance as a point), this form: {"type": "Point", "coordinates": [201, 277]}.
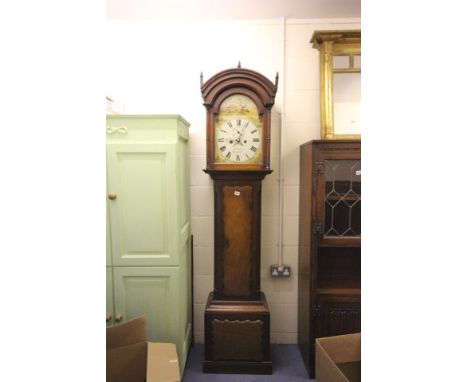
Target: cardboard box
{"type": "Point", "coordinates": [130, 358]}
{"type": "Point", "coordinates": [338, 358]}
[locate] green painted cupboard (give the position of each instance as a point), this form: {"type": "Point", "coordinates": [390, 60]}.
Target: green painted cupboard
{"type": "Point", "coordinates": [148, 258]}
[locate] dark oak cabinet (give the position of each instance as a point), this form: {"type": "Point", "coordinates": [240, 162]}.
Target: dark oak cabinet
{"type": "Point", "coordinates": [329, 290]}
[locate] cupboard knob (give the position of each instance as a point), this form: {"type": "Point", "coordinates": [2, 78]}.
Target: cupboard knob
{"type": "Point", "coordinates": [112, 195]}
{"type": "Point", "coordinates": [118, 318]}
{"type": "Point", "coordinates": [108, 318]}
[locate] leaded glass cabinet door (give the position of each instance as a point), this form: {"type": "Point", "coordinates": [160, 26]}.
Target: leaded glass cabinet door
{"type": "Point", "coordinates": [342, 198]}
{"type": "Point", "coordinates": [337, 217]}
{"type": "Point", "coordinates": [338, 201]}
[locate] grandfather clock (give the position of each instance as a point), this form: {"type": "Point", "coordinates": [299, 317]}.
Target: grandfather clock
{"type": "Point", "coordinates": [237, 318]}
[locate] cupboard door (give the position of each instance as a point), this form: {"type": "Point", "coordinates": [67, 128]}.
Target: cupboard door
{"type": "Point", "coordinates": [143, 204]}
{"type": "Point", "coordinates": [108, 240]}
{"type": "Point", "coordinates": [342, 199]}
{"type": "Point", "coordinates": [109, 297]}
{"type": "Point", "coordinates": [152, 292]}
{"type": "Point", "coordinates": [337, 193]}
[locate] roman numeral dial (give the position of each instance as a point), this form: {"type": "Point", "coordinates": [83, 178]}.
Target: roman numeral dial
{"type": "Point", "coordinates": [238, 140]}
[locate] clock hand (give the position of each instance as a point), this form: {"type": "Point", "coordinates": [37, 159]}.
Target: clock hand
{"type": "Point", "coordinates": [233, 139]}
{"type": "Point", "coordinates": [243, 129]}
{"type": "Point", "coordinates": [239, 138]}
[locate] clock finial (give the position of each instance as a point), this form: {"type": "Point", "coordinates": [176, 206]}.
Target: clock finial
{"type": "Point", "coordinates": [201, 78]}
{"type": "Point", "coordinates": [239, 64]}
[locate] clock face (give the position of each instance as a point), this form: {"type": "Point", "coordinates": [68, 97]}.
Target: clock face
{"type": "Point", "coordinates": [238, 140]}
{"type": "Point", "coordinates": [238, 132]}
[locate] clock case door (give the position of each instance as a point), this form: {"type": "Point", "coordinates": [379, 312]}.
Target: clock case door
{"type": "Point", "coordinates": [237, 235]}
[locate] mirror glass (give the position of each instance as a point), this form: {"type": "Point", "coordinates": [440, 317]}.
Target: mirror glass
{"type": "Point", "coordinates": [347, 103]}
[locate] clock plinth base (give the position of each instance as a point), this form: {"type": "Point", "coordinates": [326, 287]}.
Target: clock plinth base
{"type": "Point", "coordinates": [237, 337]}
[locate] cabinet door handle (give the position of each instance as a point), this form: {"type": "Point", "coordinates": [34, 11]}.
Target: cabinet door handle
{"type": "Point", "coordinates": [112, 195]}
{"type": "Point", "coordinates": [118, 318]}
{"type": "Point", "coordinates": [108, 318]}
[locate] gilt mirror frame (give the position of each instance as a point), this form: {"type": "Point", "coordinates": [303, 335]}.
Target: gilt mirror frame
{"type": "Point", "coordinates": [331, 44]}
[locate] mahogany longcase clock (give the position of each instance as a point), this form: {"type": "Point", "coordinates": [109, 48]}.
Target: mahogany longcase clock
{"type": "Point", "coordinates": [237, 318]}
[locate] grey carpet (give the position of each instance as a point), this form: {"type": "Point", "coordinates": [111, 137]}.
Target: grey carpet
{"type": "Point", "coordinates": [287, 367]}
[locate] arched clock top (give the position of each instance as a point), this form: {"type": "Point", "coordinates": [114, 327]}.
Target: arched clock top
{"type": "Point", "coordinates": [239, 81]}
{"type": "Point", "coordinates": [218, 101]}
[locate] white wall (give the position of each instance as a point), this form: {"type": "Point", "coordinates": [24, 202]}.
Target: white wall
{"type": "Point", "coordinates": [154, 68]}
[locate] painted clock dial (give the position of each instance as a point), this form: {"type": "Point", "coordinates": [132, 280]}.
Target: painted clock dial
{"type": "Point", "coordinates": [238, 131]}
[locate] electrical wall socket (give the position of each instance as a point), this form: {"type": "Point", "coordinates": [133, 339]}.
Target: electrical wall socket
{"type": "Point", "coordinates": [280, 270]}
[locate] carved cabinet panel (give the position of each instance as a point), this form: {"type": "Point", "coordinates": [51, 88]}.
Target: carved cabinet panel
{"type": "Point", "coordinates": [336, 319]}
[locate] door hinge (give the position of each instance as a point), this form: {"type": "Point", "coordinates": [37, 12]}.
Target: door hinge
{"type": "Point", "coordinates": [319, 167]}
{"type": "Point", "coordinates": [317, 228]}
{"type": "Point", "coordinates": [315, 310]}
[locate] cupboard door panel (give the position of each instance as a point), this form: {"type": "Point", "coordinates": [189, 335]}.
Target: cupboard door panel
{"type": "Point", "coordinates": [109, 297]}
{"type": "Point", "coordinates": [108, 240]}
{"type": "Point", "coordinates": [142, 217]}
{"type": "Point", "coordinates": [183, 187]}
{"type": "Point", "coordinates": [152, 292]}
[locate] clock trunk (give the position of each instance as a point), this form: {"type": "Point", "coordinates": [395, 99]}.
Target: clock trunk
{"type": "Point", "coordinates": [237, 238]}
{"type": "Point", "coordinates": [237, 219]}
